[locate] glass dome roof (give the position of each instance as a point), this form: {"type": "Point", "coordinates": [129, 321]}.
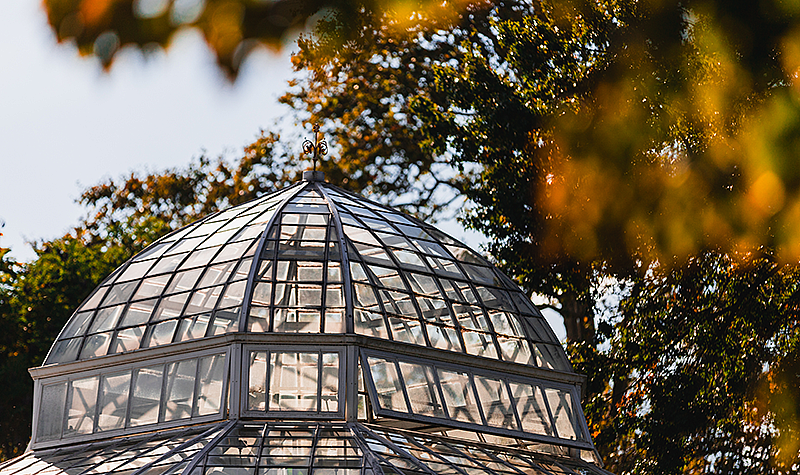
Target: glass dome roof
{"type": "Point", "coordinates": [307, 332]}
{"type": "Point", "coordinates": [276, 265]}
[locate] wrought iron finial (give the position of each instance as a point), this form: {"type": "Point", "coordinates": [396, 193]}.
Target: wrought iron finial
{"type": "Point", "coordinates": [318, 147]}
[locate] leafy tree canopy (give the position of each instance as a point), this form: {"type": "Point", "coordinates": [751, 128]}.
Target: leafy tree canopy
{"type": "Point", "coordinates": [643, 146]}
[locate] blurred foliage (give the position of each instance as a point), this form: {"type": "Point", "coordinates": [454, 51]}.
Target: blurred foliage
{"type": "Point", "coordinates": [36, 300]}
{"type": "Point", "coordinates": [700, 374]}
{"type": "Point", "coordinates": [632, 161]}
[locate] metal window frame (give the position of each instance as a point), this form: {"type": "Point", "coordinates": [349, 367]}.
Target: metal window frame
{"type": "Point", "coordinates": [318, 414]}
{"type": "Point", "coordinates": [583, 442]}
{"type": "Point", "coordinates": [101, 371]}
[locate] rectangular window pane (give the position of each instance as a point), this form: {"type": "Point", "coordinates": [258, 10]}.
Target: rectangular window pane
{"type": "Point", "coordinates": [560, 402]}
{"type": "Point", "coordinates": [458, 397]}
{"type": "Point", "coordinates": [257, 392]}
{"type": "Point", "coordinates": [370, 324]}
{"type": "Point", "coordinates": [81, 406]}
{"type": "Point", "coordinates": [293, 381]}
{"type": "Point", "coordinates": [531, 408]}
{"type": "Point", "coordinates": [146, 395]}
{"type": "Point", "coordinates": [113, 400]}
{"type": "Point", "coordinates": [209, 390]}
{"type": "Point", "coordinates": [387, 385]}
{"type": "Point", "coordinates": [495, 402]}
{"type": "Point", "coordinates": [180, 389]}
{"type": "Point", "coordinates": [51, 411]}
{"type": "Point", "coordinates": [330, 382]}
{"type": "Point", "coordinates": [421, 387]}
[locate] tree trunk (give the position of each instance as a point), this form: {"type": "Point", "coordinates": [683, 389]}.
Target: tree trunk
{"type": "Point", "coordinates": [578, 318]}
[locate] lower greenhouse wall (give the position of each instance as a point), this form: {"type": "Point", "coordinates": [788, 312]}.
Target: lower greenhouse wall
{"type": "Point", "coordinates": [293, 448]}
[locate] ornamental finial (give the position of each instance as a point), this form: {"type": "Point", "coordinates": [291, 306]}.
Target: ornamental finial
{"type": "Point", "coordinates": [318, 147]}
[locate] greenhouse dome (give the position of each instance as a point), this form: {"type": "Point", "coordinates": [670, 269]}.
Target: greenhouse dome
{"type": "Point", "coordinates": [307, 332]}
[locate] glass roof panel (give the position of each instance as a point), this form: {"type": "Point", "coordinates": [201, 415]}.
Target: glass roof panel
{"type": "Point", "coordinates": [184, 274]}
{"type": "Point", "coordinates": [404, 280]}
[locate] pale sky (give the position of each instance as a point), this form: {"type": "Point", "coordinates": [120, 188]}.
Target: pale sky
{"type": "Point", "coordinates": [66, 125]}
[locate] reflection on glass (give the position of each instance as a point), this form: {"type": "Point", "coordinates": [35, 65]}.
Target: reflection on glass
{"type": "Point", "coordinates": [561, 408]}
{"type": "Point", "coordinates": [531, 408]}
{"type": "Point", "coordinates": [81, 404]}
{"type": "Point", "coordinates": [422, 389]}
{"type": "Point", "coordinates": [387, 385]}
{"type": "Point", "coordinates": [211, 372]}
{"type": "Point", "coordinates": [458, 396]}
{"type": "Point", "coordinates": [495, 402]}
{"type": "Point", "coordinates": [293, 381]}
{"type": "Point", "coordinates": [146, 395]}
{"type": "Point", "coordinates": [113, 400]}
{"type": "Point", "coordinates": [51, 410]}
{"type": "Point", "coordinates": [179, 389]}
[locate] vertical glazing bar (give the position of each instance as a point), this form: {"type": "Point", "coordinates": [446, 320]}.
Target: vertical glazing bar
{"type": "Point", "coordinates": [348, 297]}
{"type": "Point", "coordinates": [351, 384]}
{"type": "Point", "coordinates": [251, 277]}
{"type": "Point", "coordinates": [232, 385]}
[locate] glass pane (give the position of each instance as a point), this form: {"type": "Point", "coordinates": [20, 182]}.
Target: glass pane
{"type": "Point", "coordinates": [421, 387]}
{"type": "Point", "coordinates": [217, 274]}
{"type": "Point", "coordinates": [334, 320]}
{"type": "Point", "coordinates": [334, 297]}
{"type": "Point", "coordinates": [257, 381]}
{"type": "Point", "coordinates": [81, 406]}
{"type": "Point", "coordinates": [193, 327]}
{"type": "Point", "coordinates": [180, 389]}
{"type": "Point", "coordinates": [444, 338]}
{"type": "Point", "coordinates": [203, 300]}
{"type": "Point", "coordinates": [293, 381]}
{"type": "Point", "coordinates": [183, 281]}
{"type": "Point", "coordinates": [458, 396]}
{"type": "Point", "coordinates": [209, 391]}
{"type": "Point", "coordinates": [170, 307]}
{"type": "Point", "coordinates": [138, 312]}
{"type": "Point", "coordinates": [233, 294]}
{"type": "Point", "coordinates": [51, 411]}
{"type": "Point", "coordinates": [113, 400]}
{"type": "Point", "coordinates": [292, 320]}
{"type": "Point", "coordinates": [262, 293]}
{"type": "Point", "coordinates": [64, 350]}
{"type": "Point", "coordinates": [370, 324]}
{"type": "Point", "coordinates": [161, 334]}
{"type": "Point", "coordinates": [151, 287]}
{"type": "Point", "coordinates": [128, 339]}
{"type": "Point", "coordinates": [531, 408]}
{"type": "Point", "coordinates": [120, 293]}
{"type": "Point", "coordinates": [96, 345]}
{"type": "Point", "coordinates": [405, 330]}
{"type": "Point", "coordinates": [560, 402]}
{"type": "Point", "coordinates": [330, 382]}
{"type": "Point", "coordinates": [479, 344]}
{"type": "Point", "coordinates": [225, 321]}
{"type": "Point", "coordinates": [387, 385]}
{"type": "Point", "coordinates": [495, 402]}
{"type": "Point", "coordinates": [77, 325]}
{"type": "Point", "coordinates": [106, 319]}
{"type": "Point", "coordinates": [146, 395]}
{"type": "Point", "coordinates": [515, 350]}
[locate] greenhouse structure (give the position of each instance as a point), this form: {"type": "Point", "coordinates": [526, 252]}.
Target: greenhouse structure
{"type": "Point", "coordinates": [307, 332]}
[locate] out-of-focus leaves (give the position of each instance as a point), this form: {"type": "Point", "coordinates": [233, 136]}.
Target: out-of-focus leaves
{"type": "Point", "coordinates": [232, 28]}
